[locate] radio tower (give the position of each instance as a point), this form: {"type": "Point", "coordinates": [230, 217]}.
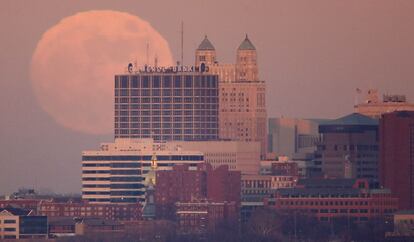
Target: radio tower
{"type": "Point", "coordinates": [182, 43]}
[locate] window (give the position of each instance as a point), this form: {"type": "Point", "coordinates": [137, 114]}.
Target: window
{"type": "Point", "coordinates": [9, 229]}
{"type": "Point", "coordinates": [9, 221]}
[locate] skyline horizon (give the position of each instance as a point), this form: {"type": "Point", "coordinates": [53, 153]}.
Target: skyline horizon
{"type": "Point", "coordinates": [312, 56]}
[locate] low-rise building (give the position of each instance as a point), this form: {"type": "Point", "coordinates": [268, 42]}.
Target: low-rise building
{"type": "Point", "coordinates": [200, 217]}
{"type": "Point", "coordinates": [124, 212]}
{"type": "Point", "coordinates": [18, 223]}
{"type": "Point", "coordinates": [116, 172]}
{"type": "Point", "coordinates": [182, 185]}
{"type": "Point", "coordinates": [333, 198]}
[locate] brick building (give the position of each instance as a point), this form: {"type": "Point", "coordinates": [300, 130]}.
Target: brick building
{"type": "Point", "coordinates": [397, 156]}
{"type": "Point", "coordinates": [183, 185]}
{"type": "Point", "coordinates": [199, 217]}
{"type": "Point", "coordinates": [335, 198]}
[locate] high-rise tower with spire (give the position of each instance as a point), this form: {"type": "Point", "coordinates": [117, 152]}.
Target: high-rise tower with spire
{"type": "Point", "coordinates": [242, 95]}
{"type": "Point", "coordinates": [205, 53]}
{"type": "Point", "coordinates": [246, 62]}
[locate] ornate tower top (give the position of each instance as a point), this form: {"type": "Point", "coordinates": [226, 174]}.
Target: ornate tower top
{"type": "Point", "coordinates": [246, 62]}
{"type": "Point", "coordinates": [205, 53]}
{"type": "Point", "coordinates": [206, 44]}
{"type": "Point", "coordinates": [246, 44]}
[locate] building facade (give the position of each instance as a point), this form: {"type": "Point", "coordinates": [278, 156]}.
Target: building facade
{"type": "Point", "coordinates": [292, 136]}
{"type": "Point", "coordinates": [18, 223]}
{"type": "Point", "coordinates": [240, 156]}
{"type": "Point", "coordinates": [116, 172]}
{"type": "Point", "coordinates": [335, 198]}
{"type": "Point", "coordinates": [184, 185]}
{"type": "Point", "coordinates": [374, 107]}
{"type": "Point", "coordinates": [201, 217]}
{"type": "Point", "coordinates": [397, 156]}
{"type": "Point", "coordinates": [124, 212]}
{"type": "Point", "coordinates": [167, 105]}
{"type": "Point", "coordinates": [349, 147]}
{"type": "Point", "coordinates": [242, 95]}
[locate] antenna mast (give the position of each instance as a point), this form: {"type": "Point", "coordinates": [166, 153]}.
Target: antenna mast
{"type": "Point", "coordinates": [182, 42]}
{"type": "Point", "coordinates": [147, 60]}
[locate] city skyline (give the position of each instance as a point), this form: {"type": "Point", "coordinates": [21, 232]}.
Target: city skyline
{"type": "Point", "coordinates": [369, 47]}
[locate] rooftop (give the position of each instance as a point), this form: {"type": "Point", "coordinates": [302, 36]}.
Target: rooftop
{"type": "Point", "coordinates": [206, 44]}
{"type": "Point", "coordinates": [16, 210]}
{"type": "Point", "coordinates": [352, 119]}
{"type": "Point", "coordinates": [246, 44]}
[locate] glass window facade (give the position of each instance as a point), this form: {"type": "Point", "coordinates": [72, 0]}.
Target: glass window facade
{"type": "Point", "coordinates": [167, 106]}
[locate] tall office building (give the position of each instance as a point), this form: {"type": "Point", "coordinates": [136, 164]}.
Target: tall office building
{"type": "Point", "coordinates": [116, 173]}
{"type": "Point", "coordinates": [242, 114]}
{"type": "Point", "coordinates": [349, 147]}
{"type": "Point", "coordinates": [166, 104]}
{"type": "Point", "coordinates": [397, 156]}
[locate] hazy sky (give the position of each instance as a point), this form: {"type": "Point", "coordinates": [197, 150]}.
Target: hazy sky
{"type": "Point", "coordinates": [312, 54]}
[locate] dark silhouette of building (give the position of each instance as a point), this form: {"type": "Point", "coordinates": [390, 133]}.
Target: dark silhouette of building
{"type": "Point", "coordinates": [185, 184]}
{"type": "Point", "coordinates": [335, 198]}
{"type": "Point", "coordinates": [397, 156]}
{"type": "Point", "coordinates": [200, 217]}
{"type": "Point", "coordinates": [349, 147]}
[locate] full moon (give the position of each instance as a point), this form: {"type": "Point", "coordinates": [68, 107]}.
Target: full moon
{"type": "Point", "coordinates": [75, 61]}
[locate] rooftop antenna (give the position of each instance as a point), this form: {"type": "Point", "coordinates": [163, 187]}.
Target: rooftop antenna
{"type": "Point", "coordinates": [156, 60]}
{"type": "Point", "coordinates": [147, 60]}
{"type": "Point", "coordinates": [182, 42]}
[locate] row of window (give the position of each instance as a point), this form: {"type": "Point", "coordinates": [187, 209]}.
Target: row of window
{"type": "Point", "coordinates": [117, 200]}
{"type": "Point", "coordinates": [154, 112]}
{"type": "Point", "coordinates": [115, 193]}
{"type": "Point", "coordinates": [115, 186]}
{"type": "Point", "coordinates": [326, 203]}
{"type": "Point", "coordinates": [142, 158]}
{"type": "Point", "coordinates": [176, 93]}
{"type": "Point", "coordinates": [166, 81]}
{"type": "Point", "coordinates": [168, 126]}
{"type": "Point", "coordinates": [197, 100]}
{"type": "Point", "coordinates": [125, 134]}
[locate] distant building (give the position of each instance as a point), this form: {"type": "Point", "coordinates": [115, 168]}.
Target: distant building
{"type": "Point", "coordinates": [92, 226]}
{"type": "Point", "coordinates": [124, 212]}
{"type": "Point", "coordinates": [183, 185]}
{"type": "Point", "coordinates": [167, 105]}
{"type": "Point", "coordinates": [403, 225]}
{"type": "Point", "coordinates": [17, 223]}
{"type": "Point", "coordinates": [201, 217]}
{"type": "Point", "coordinates": [242, 114]}
{"type": "Point", "coordinates": [397, 156]}
{"type": "Point", "coordinates": [240, 156]}
{"type": "Point", "coordinates": [293, 136]}
{"type": "Point", "coordinates": [349, 147]}
{"type": "Point", "coordinates": [374, 107]}
{"type": "Point", "coordinates": [254, 188]}
{"type": "Point", "coordinates": [116, 172]}
{"type": "Point", "coordinates": [335, 198]}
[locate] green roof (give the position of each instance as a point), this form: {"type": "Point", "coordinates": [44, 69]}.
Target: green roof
{"type": "Point", "coordinates": [352, 119]}
{"type": "Point", "coordinates": [205, 45]}
{"type": "Point", "coordinates": [246, 44]}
